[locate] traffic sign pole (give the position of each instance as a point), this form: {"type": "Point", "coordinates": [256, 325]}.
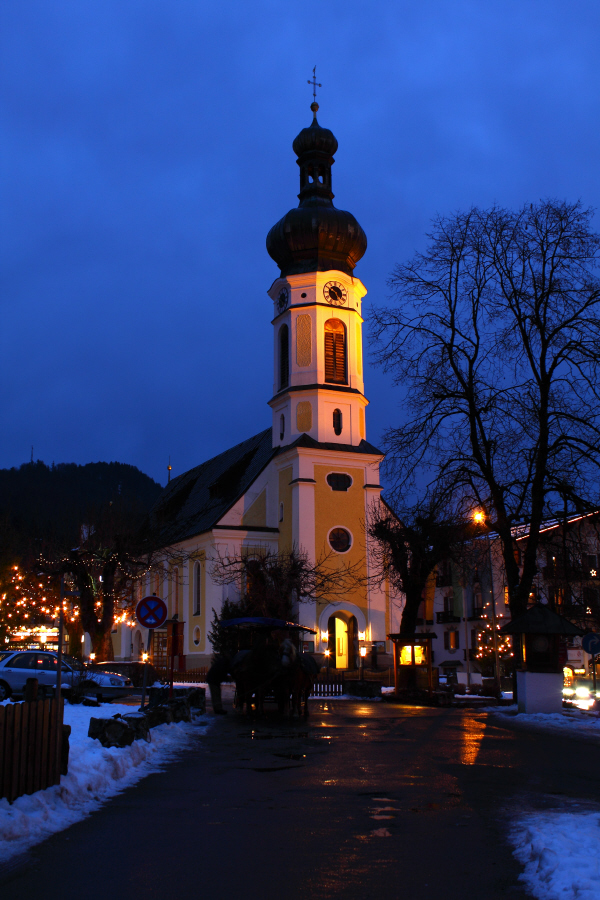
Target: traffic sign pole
{"type": "Point", "coordinates": [148, 645]}
{"type": "Point", "coordinates": [151, 612]}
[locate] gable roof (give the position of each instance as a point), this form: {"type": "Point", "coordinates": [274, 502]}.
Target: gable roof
{"type": "Point", "coordinates": [195, 501]}
{"type": "Point", "coordinates": [540, 620]}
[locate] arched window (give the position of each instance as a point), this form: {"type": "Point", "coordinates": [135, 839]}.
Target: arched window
{"type": "Point", "coordinates": [335, 352]}
{"type": "Point", "coordinates": [281, 427]}
{"type": "Point", "coordinates": [284, 357]}
{"type": "Point", "coordinates": [197, 589]}
{"type": "Point", "coordinates": [175, 591]}
{"type": "Point", "coordinates": [337, 421]}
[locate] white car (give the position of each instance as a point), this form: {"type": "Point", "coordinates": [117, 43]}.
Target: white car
{"type": "Point", "coordinates": [16, 666]}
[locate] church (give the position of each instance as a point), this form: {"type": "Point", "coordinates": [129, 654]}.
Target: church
{"type": "Point", "coordinates": [309, 479]}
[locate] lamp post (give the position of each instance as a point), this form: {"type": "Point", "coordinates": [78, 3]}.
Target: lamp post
{"type": "Point", "coordinates": [480, 519]}
{"type": "Point", "coordinates": [363, 653]}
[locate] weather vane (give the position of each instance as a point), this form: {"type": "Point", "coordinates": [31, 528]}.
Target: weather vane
{"type": "Point", "coordinates": [315, 84]}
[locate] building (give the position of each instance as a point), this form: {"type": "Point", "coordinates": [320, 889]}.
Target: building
{"type": "Point", "coordinates": [459, 609]}
{"type": "Point", "coordinates": [308, 479]}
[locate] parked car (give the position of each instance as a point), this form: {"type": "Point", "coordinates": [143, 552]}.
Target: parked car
{"type": "Point", "coordinates": [17, 666]}
{"type": "Point", "coordinates": [128, 669]}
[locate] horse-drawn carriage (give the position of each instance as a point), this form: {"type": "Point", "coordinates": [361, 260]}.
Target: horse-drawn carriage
{"type": "Point", "coordinates": [268, 665]}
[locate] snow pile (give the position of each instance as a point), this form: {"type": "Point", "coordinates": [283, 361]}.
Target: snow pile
{"type": "Point", "coordinates": [570, 721]}
{"type": "Point", "coordinates": [95, 774]}
{"type": "Point", "coordinates": [560, 853]}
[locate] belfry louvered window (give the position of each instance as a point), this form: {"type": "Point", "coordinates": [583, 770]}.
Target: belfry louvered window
{"type": "Point", "coordinates": [335, 352]}
{"type": "Point", "coordinates": [284, 357]}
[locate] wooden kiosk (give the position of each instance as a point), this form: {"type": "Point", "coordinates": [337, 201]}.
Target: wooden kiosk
{"type": "Point", "coordinates": [540, 679]}
{"type": "Point", "coordinates": [413, 670]}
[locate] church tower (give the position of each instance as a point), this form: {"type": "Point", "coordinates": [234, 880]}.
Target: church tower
{"type": "Point", "coordinates": [308, 482]}
{"type": "Point", "coordinates": [318, 385]}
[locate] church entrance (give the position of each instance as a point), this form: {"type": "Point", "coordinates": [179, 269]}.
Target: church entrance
{"type": "Point", "coordinates": [343, 641]}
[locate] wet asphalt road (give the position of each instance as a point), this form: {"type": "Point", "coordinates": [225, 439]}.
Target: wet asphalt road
{"type": "Point", "coordinates": [367, 800]}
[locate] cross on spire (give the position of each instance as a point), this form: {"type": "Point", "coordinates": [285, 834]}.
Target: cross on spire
{"type": "Point", "coordinates": [315, 84]}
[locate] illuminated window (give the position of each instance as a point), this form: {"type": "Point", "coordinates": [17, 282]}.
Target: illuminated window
{"type": "Point", "coordinates": [335, 352]}
{"type": "Point", "coordinates": [451, 640]}
{"type": "Point", "coordinates": [406, 655]}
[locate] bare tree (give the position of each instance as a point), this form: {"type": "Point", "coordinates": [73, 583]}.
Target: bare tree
{"type": "Point", "coordinates": [101, 573]}
{"type": "Point", "coordinates": [273, 582]}
{"type": "Point", "coordinates": [495, 335]}
{"type": "Point", "coordinates": [408, 544]}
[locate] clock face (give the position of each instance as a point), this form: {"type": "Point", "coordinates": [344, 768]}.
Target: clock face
{"type": "Point", "coordinates": [282, 300]}
{"type": "Point", "coordinates": [335, 293]}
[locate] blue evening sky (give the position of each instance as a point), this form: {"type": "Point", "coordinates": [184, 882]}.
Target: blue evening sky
{"type": "Point", "coordinates": [146, 151]}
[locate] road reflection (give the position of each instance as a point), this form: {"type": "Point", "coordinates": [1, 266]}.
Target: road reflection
{"type": "Point", "coordinates": [472, 736]}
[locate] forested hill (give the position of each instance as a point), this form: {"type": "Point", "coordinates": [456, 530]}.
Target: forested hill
{"type": "Point", "coordinates": [45, 506]}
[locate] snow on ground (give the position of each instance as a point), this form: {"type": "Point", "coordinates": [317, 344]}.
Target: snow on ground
{"type": "Point", "coordinates": [570, 721]}
{"type": "Point", "coordinates": [559, 851]}
{"type": "Point", "coordinates": [96, 774]}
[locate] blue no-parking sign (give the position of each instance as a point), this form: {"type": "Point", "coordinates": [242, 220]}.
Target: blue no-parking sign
{"type": "Point", "coordinates": [151, 612]}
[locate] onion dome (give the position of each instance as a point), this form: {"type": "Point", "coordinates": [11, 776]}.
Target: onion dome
{"type": "Point", "coordinates": [315, 236]}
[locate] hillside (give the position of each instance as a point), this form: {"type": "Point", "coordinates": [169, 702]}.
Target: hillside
{"type": "Point", "coordinates": [45, 507]}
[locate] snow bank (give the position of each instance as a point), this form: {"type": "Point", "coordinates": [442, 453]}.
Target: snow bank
{"type": "Point", "coordinates": [95, 774]}
{"type": "Point", "coordinates": [560, 853]}
{"type": "Point", "coordinates": [572, 721]}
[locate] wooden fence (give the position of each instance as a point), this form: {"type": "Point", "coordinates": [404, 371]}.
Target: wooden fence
{"type": "Point", "coordinates": [331, 685]}
{"type": "Point", "coordinates": [30, 749]}
{"type": "Point", "coordinates": [192, 676]}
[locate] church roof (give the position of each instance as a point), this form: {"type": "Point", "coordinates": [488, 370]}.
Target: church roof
{"type": "Point", "coordinates": [195, 501]}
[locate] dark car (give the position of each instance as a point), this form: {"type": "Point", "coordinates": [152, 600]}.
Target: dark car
{"type": "Point", "coordinates": [132, 670]}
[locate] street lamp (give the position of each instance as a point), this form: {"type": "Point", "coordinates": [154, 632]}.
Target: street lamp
{"type": "Point", "coordinates": [480, 519]}
{"type": "Point", "coordinates": [363, 653]}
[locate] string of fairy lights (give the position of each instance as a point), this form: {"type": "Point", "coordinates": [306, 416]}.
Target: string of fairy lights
{"type": "Point", "coordinates": [30, 602]}
{"type": "Point", "coordinates": [485, 641]}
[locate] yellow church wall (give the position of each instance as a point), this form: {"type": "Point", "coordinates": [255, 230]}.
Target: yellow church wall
{"type": "Point", "coordinates": [343, 509]}
{"type": "Point", "coordinates": [257, 512]}
{"type": "Point", "coordinates": [286, 540]}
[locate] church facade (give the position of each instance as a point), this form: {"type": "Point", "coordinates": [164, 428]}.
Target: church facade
{"type": "Point", "coordinates": [309, 480]}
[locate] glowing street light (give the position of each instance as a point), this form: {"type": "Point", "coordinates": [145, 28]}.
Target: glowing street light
{"type": "Point", "coordinates": [479, 518]}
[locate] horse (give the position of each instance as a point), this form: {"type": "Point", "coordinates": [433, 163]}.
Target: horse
{"type": "Point", "coordinates": [255, 672]}
{"type": "Point", "coordinates": [302, 682]}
